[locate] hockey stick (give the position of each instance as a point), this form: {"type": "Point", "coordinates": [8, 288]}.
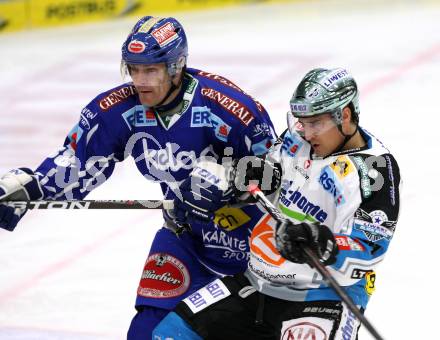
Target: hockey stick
{"type": "Point", "coordinates": [93, 204]}
{"type": "Point", "coordinates": [279, 217]}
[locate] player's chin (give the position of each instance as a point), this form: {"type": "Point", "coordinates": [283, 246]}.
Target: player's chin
{"type": "Point", "coordinates": [148, 99]}
{"type": "Point", "coordinates": [319, 151]}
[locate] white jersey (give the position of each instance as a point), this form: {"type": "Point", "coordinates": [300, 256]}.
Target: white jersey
{"type": "Point", "coordinates": [356, 194]}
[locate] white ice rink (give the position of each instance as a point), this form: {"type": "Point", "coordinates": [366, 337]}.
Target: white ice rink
{"type": "Point", "coordinates": [73, 275]}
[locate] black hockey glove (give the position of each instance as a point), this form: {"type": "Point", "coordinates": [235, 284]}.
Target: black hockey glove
{"type": "Point", "coordinates": [290, 237]}
{"type": "Point", "coordinates": [260, 171]}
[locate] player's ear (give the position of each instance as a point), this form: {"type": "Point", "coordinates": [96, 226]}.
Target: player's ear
{"type": "Point", "coordinates": [346, 119]}
{"type": "Point", "coordinates": [346, 114]}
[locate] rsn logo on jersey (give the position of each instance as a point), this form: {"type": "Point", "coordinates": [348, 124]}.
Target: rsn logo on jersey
{"type": "Point", "coordinates": [329, 183]}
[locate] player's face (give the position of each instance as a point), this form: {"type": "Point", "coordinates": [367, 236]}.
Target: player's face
{"type": "Point", "coordinates": [151, 81]}
{"type": "Point", "coordinates": [322, 133]}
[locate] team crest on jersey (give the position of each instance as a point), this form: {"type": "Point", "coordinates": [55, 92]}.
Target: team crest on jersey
{"type": "Point", "coordinates": [164, 276]}
{"type": "Point", "coordinates": [375, 225]}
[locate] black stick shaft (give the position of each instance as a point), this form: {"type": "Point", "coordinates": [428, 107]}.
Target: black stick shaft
{"type": "Point", "coordinates": [279, 217]}
{"type": "Point", "coordinates": [93, 204]}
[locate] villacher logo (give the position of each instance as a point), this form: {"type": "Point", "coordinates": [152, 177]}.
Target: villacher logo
{"type": "Point", "coordinates": [164, 276]}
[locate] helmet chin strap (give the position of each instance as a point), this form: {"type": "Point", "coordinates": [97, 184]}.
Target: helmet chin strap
{"type": "Point", "coordinates": [346, 138]}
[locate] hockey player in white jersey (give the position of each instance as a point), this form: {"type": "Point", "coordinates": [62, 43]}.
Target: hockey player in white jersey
{"type": "Point", "coordinates": [340, 191]}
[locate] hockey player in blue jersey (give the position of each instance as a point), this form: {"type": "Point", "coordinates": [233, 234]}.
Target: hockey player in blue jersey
{"type": "Point", "coordinates": [167, 118]}
{"type": "Point", "coordinates": [340, 190]}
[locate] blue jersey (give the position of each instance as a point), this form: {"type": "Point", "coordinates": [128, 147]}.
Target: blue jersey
{"type": "Point", "coordinates": [215, 118]}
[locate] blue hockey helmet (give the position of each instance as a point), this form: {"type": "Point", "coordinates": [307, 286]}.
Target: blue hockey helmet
{"type": "Point", "coordinates": [156, 40]}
